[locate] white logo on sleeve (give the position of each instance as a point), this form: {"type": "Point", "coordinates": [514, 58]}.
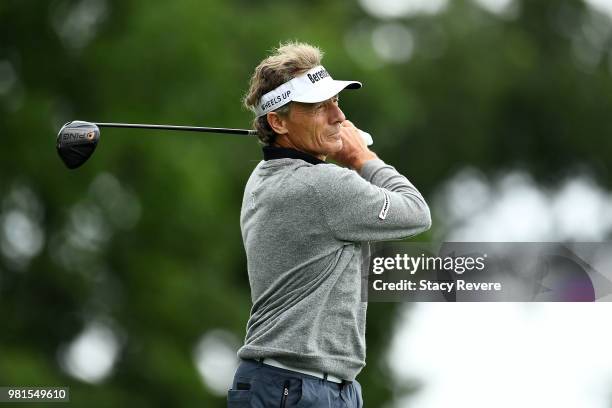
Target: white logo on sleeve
{"type": "Point", "coordinates": [385, 208]}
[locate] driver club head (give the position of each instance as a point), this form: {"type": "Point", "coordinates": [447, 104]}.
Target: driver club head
{"type": "Point", "coordinates": [76, 142]}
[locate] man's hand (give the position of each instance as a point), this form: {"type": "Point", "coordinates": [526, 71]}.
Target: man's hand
{"type": "Point", "coordinates": [354, 151]}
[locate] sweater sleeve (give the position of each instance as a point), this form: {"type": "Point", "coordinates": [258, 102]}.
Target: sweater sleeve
{"type": "Point", "coordinates": [376, 204]}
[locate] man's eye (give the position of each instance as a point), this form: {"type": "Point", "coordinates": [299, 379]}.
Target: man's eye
{"type": "Point", "coordinates": [318, 107]}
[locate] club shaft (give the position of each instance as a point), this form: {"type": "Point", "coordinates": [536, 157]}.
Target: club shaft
{"type": "Point", "coordinates": [245, 132]}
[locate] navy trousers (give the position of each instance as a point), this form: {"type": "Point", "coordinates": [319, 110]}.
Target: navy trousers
{"type": "Point", "coordinates": [258, 385]}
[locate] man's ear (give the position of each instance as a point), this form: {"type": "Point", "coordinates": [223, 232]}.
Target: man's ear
{"type": "Point", "coordinates": [277, 123]}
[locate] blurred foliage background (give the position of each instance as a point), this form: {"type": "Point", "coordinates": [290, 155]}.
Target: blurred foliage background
{"type": "Point", "coordinates": [126, 280]}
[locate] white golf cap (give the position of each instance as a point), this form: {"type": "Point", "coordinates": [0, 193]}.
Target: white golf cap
{"type": "Point", "coordinates": [315, 85]}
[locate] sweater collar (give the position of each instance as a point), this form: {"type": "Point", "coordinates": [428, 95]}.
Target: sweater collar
{"type": "Point", "coordinates": [273, 153]}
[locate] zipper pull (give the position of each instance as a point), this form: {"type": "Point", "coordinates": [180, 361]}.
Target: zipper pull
{"type": "Point", "coordinates": [285, 394]}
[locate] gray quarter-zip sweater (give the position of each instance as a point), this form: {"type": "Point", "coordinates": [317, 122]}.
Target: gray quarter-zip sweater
{"type": "Point", "coordinates": [303, 227]}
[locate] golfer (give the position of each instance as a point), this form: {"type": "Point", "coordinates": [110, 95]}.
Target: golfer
{"type": "Point", "coordinates": [306, 225]}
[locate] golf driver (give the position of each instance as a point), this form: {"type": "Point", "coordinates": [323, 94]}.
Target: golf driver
{"type": "Point", "coordinates": [77, 140]}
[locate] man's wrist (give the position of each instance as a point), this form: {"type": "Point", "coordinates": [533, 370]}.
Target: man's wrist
{"type": "Point", "coordinates": [358, 163]}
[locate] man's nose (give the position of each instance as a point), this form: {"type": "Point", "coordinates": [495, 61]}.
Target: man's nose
{"type": "Point", "coordinates": [337, 115]}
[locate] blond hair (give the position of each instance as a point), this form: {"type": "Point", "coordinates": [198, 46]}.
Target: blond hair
{"type": "Point", "coordinates": [285, 63]}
